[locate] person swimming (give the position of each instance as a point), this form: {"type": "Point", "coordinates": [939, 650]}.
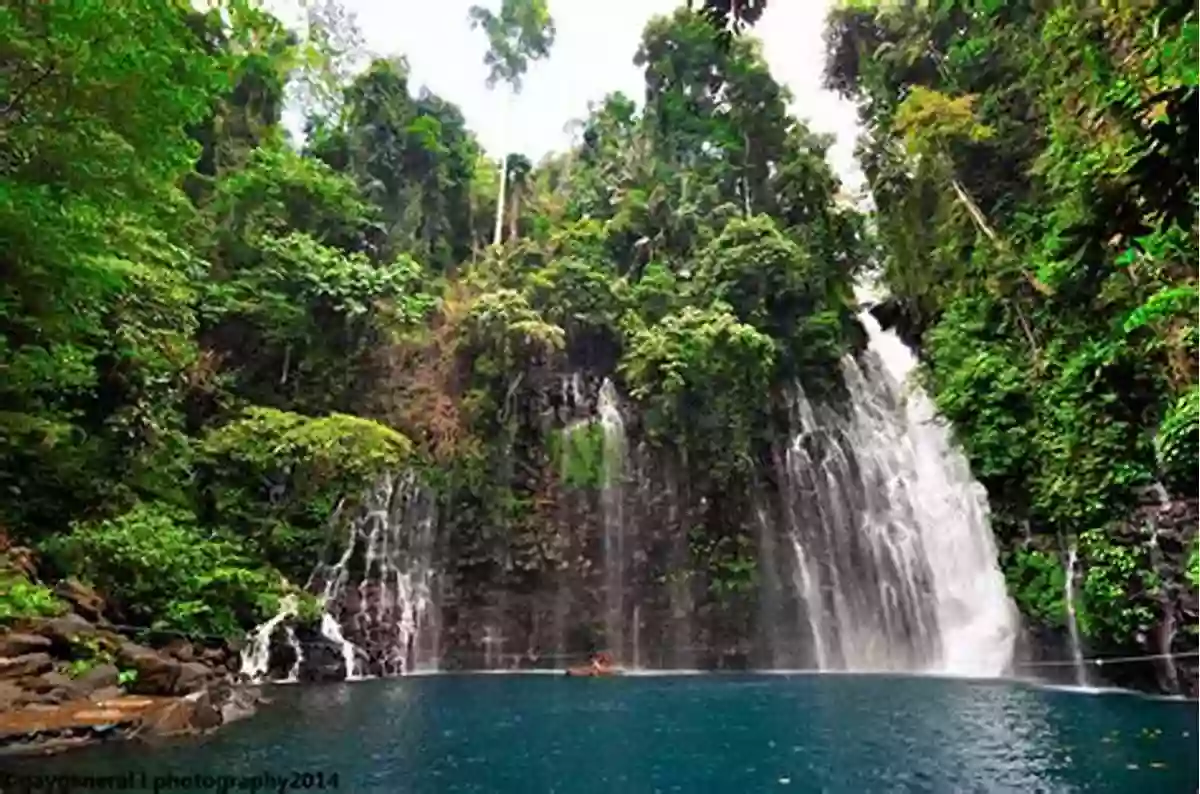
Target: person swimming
{"type": "Point", "coordinates": [600, 664]}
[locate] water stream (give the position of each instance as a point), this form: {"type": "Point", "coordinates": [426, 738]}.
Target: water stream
{"type": "Point", "coordinates": [612, 500]}
{"type": "Point", "coordinates": [1081, 677]}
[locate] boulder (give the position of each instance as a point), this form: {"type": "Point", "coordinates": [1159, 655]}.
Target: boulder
{"type": "Point", "coordinates": [171, 718]}
{"type": "Point", "coordinates": [16, 644]}
{"type": "Point", "coordinates": [20, 560]}
{"type": "Point", "coordinates": [156, 674]}
{"type": "Point", "coordinates": [99, 677]}
{"type": "Point", "coordinates": [107, 693]}
{"type": "Point", "coordinates": [239, 703]}
{"type": "Point", "coordinates": [64, 631]}
{"type": "Point", "coordinates": [27, 665]}
{"type": "Point", "coordinates": [12, 695]}
{"type": "Point", "coordinates": [205, 714]}
{"type": "Point", "coordinates": [51, 682]}
{"type": "Point", "coordinates": [181, 649]}
{"type": "Point", "coordinates": [84, 599]}
{"type": "Point", "coordinates": [192, 676]}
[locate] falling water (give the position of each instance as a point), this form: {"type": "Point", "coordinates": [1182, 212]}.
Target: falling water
{"type": "Point", "coordinates": [491, 641]}
{"type": "Point", "coordinates": [636, 664]}
{"type": "Point", "coordinates": [256, 655]}
{"type": "Point", "coordinates": [895, 560]}
{"type": "Point", "coordinates": [1072, 625]}
{"type": "Point", "coordinates": [332, 631]}
{"type": "Point", "coordinates": [808, 591]}
{"type": "Point", "coordinates": [298, 655]}
{"type": "Point", "coordinates": [612, 504]}
{"type": "Point", "coordinates": [1164, 632]}
{"type": "Point", "coordinates": [389, 616]}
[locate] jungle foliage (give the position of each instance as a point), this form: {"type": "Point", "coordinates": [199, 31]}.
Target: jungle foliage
{"type": "Point", "coordinates": [212, 332]}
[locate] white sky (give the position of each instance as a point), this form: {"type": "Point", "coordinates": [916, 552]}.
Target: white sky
{"type": "Point", "coordinates": [592, 56]}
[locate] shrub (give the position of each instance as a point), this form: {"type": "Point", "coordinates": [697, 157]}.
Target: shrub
{"type": "Point", "coordinates": [160, 569]}
{"type": "Point", "coordinates": [275, 477]}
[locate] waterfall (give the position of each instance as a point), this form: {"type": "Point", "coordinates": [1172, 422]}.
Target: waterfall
{"type": "Point", "coordinates": [612, 500]}
{"type": "Point", "coordinates": [895, 562]}
{"type": "Point", "coordinates": [804, 584]}
{"type": "Point", "coordinates": [298, 658]}
{"type": "Point", "coordinates": [1072, 626]}
{"type": "Point", "coordinates": [1164, 632]}
{"type": "Point", "coordinates": [332, 631]}
{"type": "Point", "coordinates": [636, 664]}
{"type": "Point", "coordinates": [388, 618]}
{"type": "Point", "coordinates": [256, 655]}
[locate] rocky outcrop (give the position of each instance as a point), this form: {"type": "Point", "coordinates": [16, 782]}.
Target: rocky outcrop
{"type": "Point", "coordinates": [82, 598]}
{"type": "Point", "coordinates": [16, 644]}
{"type": "Point", "coordinates": [30, 664]}
{"type": "Point", "coordinates": [69, 681]}
{"type": "Point", "coordinates": [42, 729]}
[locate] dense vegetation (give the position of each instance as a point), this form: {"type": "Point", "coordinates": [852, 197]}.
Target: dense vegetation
{"type": "Point", "coordinates": [1034, 173]}
{"type": "Point", "coordinates": [213, 332]}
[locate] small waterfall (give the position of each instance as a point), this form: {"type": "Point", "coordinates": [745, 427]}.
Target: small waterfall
{"type": "Point", "coordinates": [298, 656]}
{"type": "Point", "coordinates": [636, 664]}
{"type": "Point", "coordinates": [332, 631]}
{"type": "Point", "coordinates": [1081, 678]}
{"type": "Point", "coordinates": [612, 500]}
{"type": "Point", "coordinates": [388, 617]}
{"type": "Point", "coordinates": [256, 655]}
{"type": "Point", "coordinates": [491, 640]}
{"type": "Point", "coordinates": [896, 564]}
{"type": "Point", "coordinates": [1164, 632]}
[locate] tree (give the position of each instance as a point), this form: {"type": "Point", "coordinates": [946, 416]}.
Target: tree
{"type": "Point", "coordinates": [522, 32]}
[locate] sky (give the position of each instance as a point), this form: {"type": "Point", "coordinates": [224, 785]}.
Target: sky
{"type": "Point", "coordinates": [592, 56]}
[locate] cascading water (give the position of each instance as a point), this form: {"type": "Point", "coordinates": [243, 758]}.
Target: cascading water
{"type": "Point", "coordinates": [1081, 678]}
{"type": "Point", "coordinates": [877, 556]}
{"type": "Point", "coordinates": [256, 655]}
{"type": "Point", "coordinates": [298, 658]}
{"type": "Point", "coordinates": [1164, 633]}
{"type": "Point", "coordinates": [387, 622]}
{"type": "Point", "coordinates": [612, 500]}
{"type": "Point", "coordinates": [895, 560]}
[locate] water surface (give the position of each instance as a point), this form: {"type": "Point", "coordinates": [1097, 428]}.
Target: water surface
{"type": "Point", "coordinates": [843, 734]}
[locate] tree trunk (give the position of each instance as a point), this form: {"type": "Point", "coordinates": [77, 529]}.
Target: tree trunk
{"type": "Point", "coordinates": [746, 173]}
{"type": "Point", "coordinates": [503, 175]}
{"type": "Point", "coordinates": [500, 202]}
{"type": "Point", "coordinates": [514, 213]}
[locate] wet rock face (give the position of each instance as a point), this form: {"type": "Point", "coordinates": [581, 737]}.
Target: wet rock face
{"type": "Point", "coordinates": [417, 583]}
{"type": "Point", "coordinates": [322, 658]}
{"type": "Point", "coordinates": [534, 586]}
{"type": "Point", "coordinates": [1166, 664]}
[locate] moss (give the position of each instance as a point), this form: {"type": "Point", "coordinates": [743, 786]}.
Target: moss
{"type": "Point", "coordinates": [579, 451]}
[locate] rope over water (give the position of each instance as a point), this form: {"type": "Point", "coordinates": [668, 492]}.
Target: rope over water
{"type": "Point", "coordinates": [1100, 661]}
